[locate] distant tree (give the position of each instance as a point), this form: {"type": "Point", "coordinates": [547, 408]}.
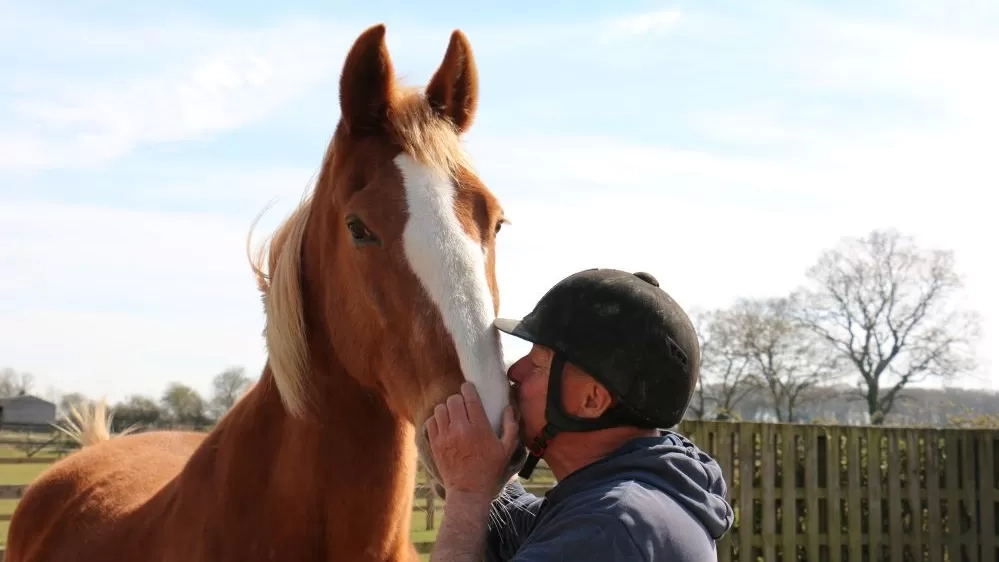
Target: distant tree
{"type": "Point", "coordinates": [781, 356]}
{"type": "Point", "coordinates": [888, 307]}
{"type": "Point", "coordinates": [13, 383]}
{"type": "Point", "coordinates": [227, 387]}
{"type": "Point", "coordinates": [725, 380]}
{"type": "Point", "coordinates": [68, 401]}
{"type": "Point", "coordinates": [980, 421]}
{"type": "Point", "coordinates": [184, 405]}
{"type": "Point", "coordinates": [698, 407]}
{"type": "Point", "coordinates": [138, 410]}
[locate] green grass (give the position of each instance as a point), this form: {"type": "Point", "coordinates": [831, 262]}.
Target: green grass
{"type": "Point", "coordinates": [20, 473]}
{"type": "Point", "coordinates": [418, 531]}
{"type": "Point", "coordinates": [12, 474]}
{"type": "Point", "coordinates": [25, 473]}
{"type": "Point", "coordinates": [418, 528]}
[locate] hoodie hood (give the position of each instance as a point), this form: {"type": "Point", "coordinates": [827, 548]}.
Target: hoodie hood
{"type": "Point", "coordinates": [670, 463]}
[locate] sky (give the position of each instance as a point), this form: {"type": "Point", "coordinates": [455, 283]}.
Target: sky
{"type": "Point", "coordinates": [719, 145]}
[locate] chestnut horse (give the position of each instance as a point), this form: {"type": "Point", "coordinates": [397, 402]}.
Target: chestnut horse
{"type": "Point", "coordinates": [379, 295]}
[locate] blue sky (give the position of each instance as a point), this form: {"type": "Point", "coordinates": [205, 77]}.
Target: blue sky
{"type": "Point", "coordinates": [719, 145]}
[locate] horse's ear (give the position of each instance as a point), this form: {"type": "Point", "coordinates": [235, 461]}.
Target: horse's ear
{"type": "Point", "coordinates": [366, 82]}
{"type": "Point", "coordinates": [454, 90]}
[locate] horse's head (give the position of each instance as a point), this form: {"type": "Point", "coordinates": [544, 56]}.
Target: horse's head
{"type": "Point", "coordinates": [397, 247]}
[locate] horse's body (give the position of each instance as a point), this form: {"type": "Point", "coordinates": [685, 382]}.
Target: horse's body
{"type": "Point", "coordinates": [261, 486]}
{"type": "Point", "coordinates": [379, 301]}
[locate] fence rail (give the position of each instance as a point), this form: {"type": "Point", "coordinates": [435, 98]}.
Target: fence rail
{"type": "Point", "coordinates": [834, 493]}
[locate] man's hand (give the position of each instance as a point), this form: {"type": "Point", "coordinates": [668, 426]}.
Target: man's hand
{"type": "Point", "coordinates": [470, 458]}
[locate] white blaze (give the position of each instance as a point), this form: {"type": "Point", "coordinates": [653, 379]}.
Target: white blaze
{"type": "Point", "coordinates": [451, 266]}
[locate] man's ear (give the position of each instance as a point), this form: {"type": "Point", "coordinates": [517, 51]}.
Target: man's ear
{"type": "Point", "coordinates": [583, 396]}
{"type": "Point", "coordinates": [597, 399]}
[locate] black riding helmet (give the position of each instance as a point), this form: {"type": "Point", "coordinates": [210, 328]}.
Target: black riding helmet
{"type": "Point", "coordinates": [628, 334]}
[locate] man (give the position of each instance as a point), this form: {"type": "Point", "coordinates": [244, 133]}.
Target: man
{"type": "Point", "coordinates": [614, 359]}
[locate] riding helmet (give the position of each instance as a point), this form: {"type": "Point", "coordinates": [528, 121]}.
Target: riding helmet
{"type": "Point", "coordinates": [626, 332]}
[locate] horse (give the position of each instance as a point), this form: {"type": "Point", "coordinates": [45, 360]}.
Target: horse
{"type": "Point", "coordinates": [379, 294]}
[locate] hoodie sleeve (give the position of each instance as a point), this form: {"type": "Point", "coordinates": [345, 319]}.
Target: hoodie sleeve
{"type": "Point", "coordinates": [511, 518]}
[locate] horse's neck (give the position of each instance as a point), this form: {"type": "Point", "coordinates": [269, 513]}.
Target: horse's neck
{"type": "Point", "coordinates": [342, 479]}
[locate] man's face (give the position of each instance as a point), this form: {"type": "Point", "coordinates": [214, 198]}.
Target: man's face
{"type": "Point", "coordinates": [530, 377]}
{"type": "Point", "coordinates": [582, 396]}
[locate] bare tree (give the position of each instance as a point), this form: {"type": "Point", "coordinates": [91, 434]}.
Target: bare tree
{"type": "Point", "coordinates": [723, 363]}
{"type": "Point", "coordinates": [887, 306]}
{"type": "Point", "coordinates": [13, 383]}
{"type": "Point", "coordinates": [698, 407]}
{"type": "Point", "coordinates": [227, 387]}
{"type": "Point", "coordinates": [74, 399]}
{"type": "Point", "coordinates": [782, 356]}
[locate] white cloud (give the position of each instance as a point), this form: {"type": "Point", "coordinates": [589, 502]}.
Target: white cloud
{"type": "Point", "coordinates": [946, 71]}
{"type": "Point", "coordinates": [113, 301]}
{"type": "Point", "coordinates": [714, 227]}
{"type": "Point", "coordinates": [925, 165]}
{"type": "Point", "coordinates": [238, 80]}
{"type": "Point", "coordinates": [118, 354]}
{"type": "Point", "coordinates": [641, 24]}
{"type": "Point", "coordinates": [181, 82]}
{"type": "Point", "coordinates": [19, 152]}
{"type": "Point", "coordinates": [708, 253]}
{"type": "Point", "coordinates": [131, 300]}
{"type": "Point", "coordinates": [168, 84]}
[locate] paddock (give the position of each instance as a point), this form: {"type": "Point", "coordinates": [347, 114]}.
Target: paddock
{"type": "Point", "coordinates": [853, 488]}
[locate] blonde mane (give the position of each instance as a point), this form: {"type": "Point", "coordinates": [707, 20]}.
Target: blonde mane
{"type": "Point", "coordinates": [424, 135]}
{"type": "Point", "coordinates": [89, 424]}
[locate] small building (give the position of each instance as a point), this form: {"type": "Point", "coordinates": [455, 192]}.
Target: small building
{"type": "Point", "coordinates": [27, 413]}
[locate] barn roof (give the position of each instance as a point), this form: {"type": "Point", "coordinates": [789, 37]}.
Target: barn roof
{"type": "Point", "coordinates": [24, 398]}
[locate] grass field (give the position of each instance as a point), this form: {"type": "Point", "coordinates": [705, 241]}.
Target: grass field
{"type": "Point", "coordinates": [17, 473]}
{"type": "Point", "coordinates": [25, 473]}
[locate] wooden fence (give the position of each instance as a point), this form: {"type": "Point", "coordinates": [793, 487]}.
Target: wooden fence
{"type": "Point", "coordinates": [854, 494]}
{"type": "Point", "coordinates": [850, 494]}
{"type": "Point", "coordinates": [841, 493]}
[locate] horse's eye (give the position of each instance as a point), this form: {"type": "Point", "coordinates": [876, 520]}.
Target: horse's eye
{"type": "Point", "coordinates": [360, 233]}
{"type": "Point", "coordinates": [358, 230]}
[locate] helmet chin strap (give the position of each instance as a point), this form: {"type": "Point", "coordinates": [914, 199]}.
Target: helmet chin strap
{"type": "Point", "coordinates": [558, 420]}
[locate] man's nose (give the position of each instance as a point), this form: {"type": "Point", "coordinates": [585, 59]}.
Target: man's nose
{"type": "Point", "coordinates": [516, 371]}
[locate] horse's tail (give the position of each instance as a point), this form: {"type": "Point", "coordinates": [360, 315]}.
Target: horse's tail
{"type": "Point", "coordinates": [90, 424]}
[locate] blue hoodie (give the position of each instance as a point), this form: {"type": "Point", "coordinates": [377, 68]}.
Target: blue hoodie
{"type": "Point", "coordinates": [654, 499]}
